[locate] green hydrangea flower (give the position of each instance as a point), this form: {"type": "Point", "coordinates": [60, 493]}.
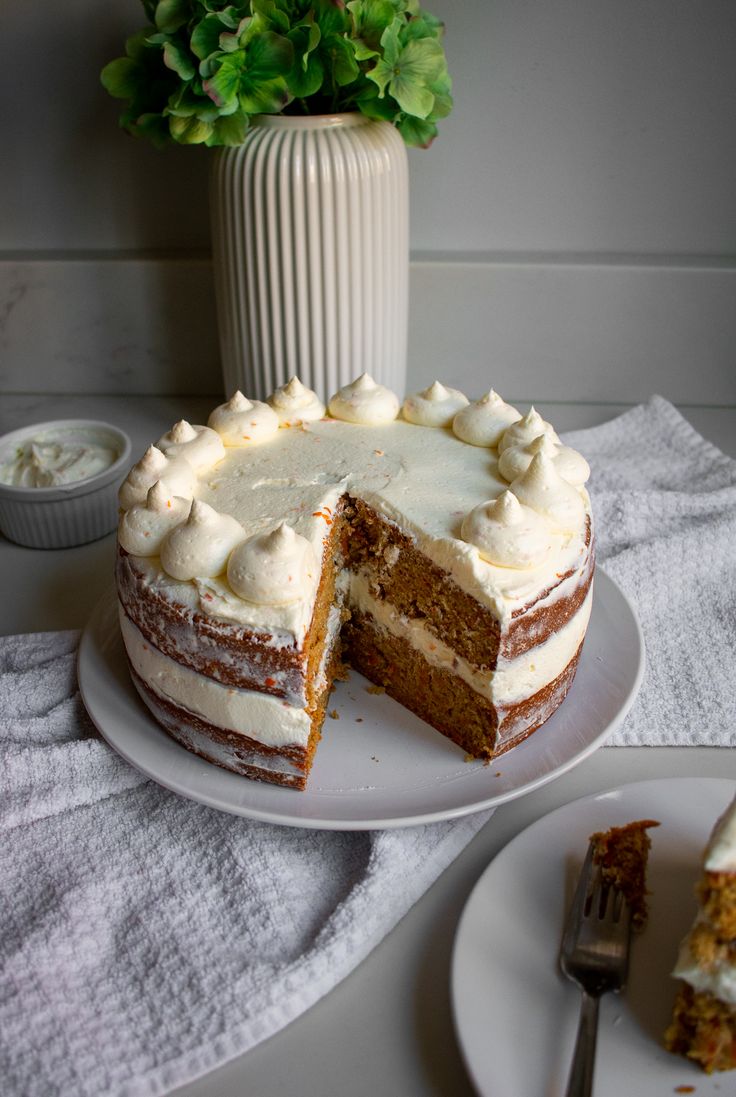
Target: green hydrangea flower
{"type": "Point", "coordinates": [202, 68]}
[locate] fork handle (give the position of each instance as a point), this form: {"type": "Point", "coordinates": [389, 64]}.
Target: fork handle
{"type": "Point", "coordinates": [580, 1082]}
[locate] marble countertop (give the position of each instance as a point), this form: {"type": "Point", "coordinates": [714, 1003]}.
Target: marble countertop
{"type": "Point", "coordinates": [388, 1027]}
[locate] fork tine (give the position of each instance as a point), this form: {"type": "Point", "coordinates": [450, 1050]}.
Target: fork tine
{"type": "Point", "coordinates": [577, 907]}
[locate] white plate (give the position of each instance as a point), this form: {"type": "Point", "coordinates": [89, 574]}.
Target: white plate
{"type": "Point", "coordinates": [377, 766]}
{"type": "Point", "coordinates": [515, 1014]}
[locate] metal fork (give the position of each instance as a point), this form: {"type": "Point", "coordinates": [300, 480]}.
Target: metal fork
{"type": "Point", "coordinates": [594, 954]}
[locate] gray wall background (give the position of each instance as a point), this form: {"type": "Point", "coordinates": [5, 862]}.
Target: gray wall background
{"type": "Point", "coordinates": [573, 226]}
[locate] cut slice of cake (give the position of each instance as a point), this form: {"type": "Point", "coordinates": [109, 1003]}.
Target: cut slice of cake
{"type": "Point", "coordinates": [623, 852]}
{"type": "Point", "coordinates": [703, 1026]}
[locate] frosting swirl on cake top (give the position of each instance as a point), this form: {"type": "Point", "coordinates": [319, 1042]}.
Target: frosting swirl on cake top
{"type": "Point", "coordinates": [243, 422]}
{"type": "Point", "coordinates": [483, 422]}
{"type": "Point", "coordinates": [200, 547]}
{"type": "Point", "coordinates": [542, 488]}
{"type": "Point", "coordinates": [200, 446]}
{"type": "Point", "coordinates": [364, 401]}
{"type": "Point", "coordinates": [507, 533]}
{"type": "Point", "coordinates": [525, 430]}
{"type": "Point", "coordinates": [448, 496]}
{"type": "Point", "coordinates": [435, 406]}
{"type": "Point", "coordinates": [142, 528]}
{"type": "Point", "coordinates": [273, 568]}
{"type": "Point", "coordinates": [295, 403]}
{"type": "Point", "coordinates": [155, 465]}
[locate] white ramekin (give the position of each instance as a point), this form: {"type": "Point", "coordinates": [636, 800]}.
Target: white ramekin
{"type": "Point", "coordinates": [68, 514]}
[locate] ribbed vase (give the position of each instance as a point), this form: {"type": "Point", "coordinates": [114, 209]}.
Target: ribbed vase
{"type": "Point", "coordinates": [311, 253]}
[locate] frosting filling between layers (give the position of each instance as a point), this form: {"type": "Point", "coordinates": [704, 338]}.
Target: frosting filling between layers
{"type": "Point", "coordinates": [718, 978]}
{"type": "Point", "coordinates": [513, 680]}
{"type": "Point", "coordinates": [263, 718]}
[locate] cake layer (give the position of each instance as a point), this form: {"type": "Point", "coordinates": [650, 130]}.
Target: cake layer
{"type": "Point", "coordinates": [441, 698]}
{"type": "Point", "coordinates": [703, 1029]}
{"type": "Point", "coordinates": [513, 680]}
{"type": "Point", "coordinates": [418, 587]}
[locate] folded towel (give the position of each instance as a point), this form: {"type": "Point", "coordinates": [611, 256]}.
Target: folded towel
{"type": "Point", "coordinates": [664, 502]}
{"type": "Point", "coordinates": [147, 939]}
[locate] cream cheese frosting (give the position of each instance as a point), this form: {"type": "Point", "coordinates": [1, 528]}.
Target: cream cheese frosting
{"type": "Point", "coordinates": [542, 488]}
{"type": "Point", "coordinates": [507, 533]}
{"type": "Point", "coordinates": [525, 430]}
{"type": "Point", "coordinates": [295, 403]}
{"type": "Point", "coordinates": [364, 401]}
{"type": "Point", "coordinates": [55, 458]}
{"type": "Point", "coordinates": [266, 719]}
{"type": "Point", "coordinates": [243, 422]}
{"type": "Point", "coordinates": [720, 855]}
{"type": "Point", "coordinates": [435, 406]}
{"type": "Point", "coordinates": [200, 446]}
{"type": "Point", "coordinates": [142, 528]}
{"type": "Point", "coordinates": [718, 978]}
{"type": "Point", "coordinates": [298, 476]}
{"type": "Point", "coordinates": [571, 465]}
{"type": "Point", "coordinates": [484, 421]}
{"type": "Point", "coordinates": [273, 568]}
{"type": "Point", "coordinates": [200, 546]}
{"type": "Point", "coordinates": [154, 465]}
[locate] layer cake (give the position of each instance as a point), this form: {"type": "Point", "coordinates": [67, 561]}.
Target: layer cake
{"type": "Point", "coordinates": [443, 548]}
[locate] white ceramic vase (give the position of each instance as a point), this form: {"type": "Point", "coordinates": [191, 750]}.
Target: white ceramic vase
{"type": "Point", "coordinates": [311, 253]}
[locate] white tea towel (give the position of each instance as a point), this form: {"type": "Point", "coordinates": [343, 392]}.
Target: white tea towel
{"type": "Point", "coordinates": [664, 501]}
{"type": "Point", "coordinates": [147, 939]}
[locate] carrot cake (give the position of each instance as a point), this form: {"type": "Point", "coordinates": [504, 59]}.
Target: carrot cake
{"type": "Point", "coordinates": [442, 547]}
{"type": "Point", "coordinates": [623, 852]}
{"type": "Point", "coordinates": [704, 1017]}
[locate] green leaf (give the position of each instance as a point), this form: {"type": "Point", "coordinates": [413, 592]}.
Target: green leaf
{"type": "Point", "coordinates": [177, 58]}
{"type": "Point", "coordinates": [189, 131]}
{"type": "Point", "coordinates": [205, 37]}
{"type": "Point", "coordinates": [306, 79]}
{"type": "Point", "coordinates": [422, 60]}
{"type": "Point", "coordinates": [269, 55]}
{"type": "Point", "coordinates": [120, 77]}
{"type": "Point", "coordinates": [370, 20]}
{"type": "Point", "coordinates": [266, 97]}
{"type": "Point", "coordinates": [341, 59]}
{"type": "Point", "coordinates": [416, 132]}
{"type": "Point", "coordinates": [412, 97]}
{"type": "Point", "coordinates": [172, 14]}
{"type": "Point", "coordinates": [230, 130]}
{"type": "Point", "coordinates": [224, 85]}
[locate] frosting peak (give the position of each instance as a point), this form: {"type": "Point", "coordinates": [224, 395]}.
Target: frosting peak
{"type": "Point", "coordinates": [295, 403]}
{"type": "Point", "coordinates": [483, 422]}
{"type": "Point", "coordinates": [273, 568]}
{"type": "Point", "coordinates": [364, 402]}
{"type": "Point", "coordinates": [199, 548]}
{"type": "Point", "coordinates": [155, 465]}
{"type": "Point", "coordinates": [525, 430]}
{"type": "Point", "coordinates": [243, 422]}
{"type": "Point", "coordinates": [542, 488]}
{"type": "Point", "coordinates": [142, 528]}
{"type": "Point", "coordinates": [435, 406]}
{"type": "Point", "coordinates": [507, 533]}
{"type": "Point", "coordinates": [201, 446]}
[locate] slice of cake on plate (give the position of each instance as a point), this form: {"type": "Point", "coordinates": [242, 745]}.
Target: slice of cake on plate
{"type": "Point", "coordinates": [443, 548]}
{"type": "Point", "coordinates": [704, 1016]}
